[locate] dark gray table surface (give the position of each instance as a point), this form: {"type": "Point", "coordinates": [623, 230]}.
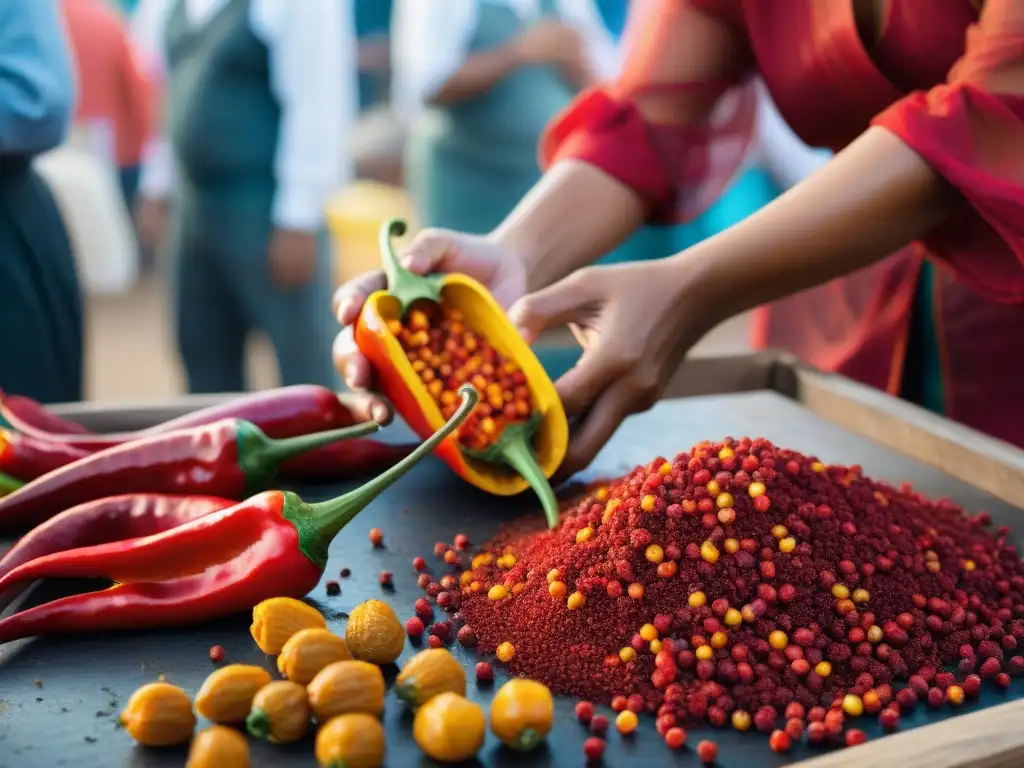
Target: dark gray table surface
{"type": "Point", "coordinates": [59, 698]}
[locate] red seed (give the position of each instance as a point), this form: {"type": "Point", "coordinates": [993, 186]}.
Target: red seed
{"type": "Point", "coordinates": [936, 698]}
{"type": "Point", "coordinates": [386, 579]}
{"type": "Point", "coordinates": [599, 724]}
{"type": "Point", "coordinates": [419, 563]}
{"type": "Point", "coordinates": [990, 668]}
{"type": "Point", "coordinates": [434, 641]}
{"type": "Point", "coordinates": [584, 712]}
{"type": "Point", "coordinates": [971, 686]}
{"type": "Point", "coordinates": [484, 672]}
{"type": "Point", "coordinates": [461, 541]}
{"type": "Point", "coordinates": [635, 703]}
{"type": "Point", "coordinates": [889, 719]}
{"type": "Point", "coordinates": [440, 548]}
{"type": "Point", "coordinates": [707, 752]}
{"type": "Point", "coordinates": [333, 587]}
{"type": "Point", "coordinates": [445, 599]}
{"type": "Point", "coordinates": [675, 738]}
{"type": "Point", "coordinates": [593, 748]}
{"type": "Point", "coordinates": [423, 580]}
{"type": "Point", "coordinates": [414, 627]}
{"type": "Point", "coordinates": [855, 736]}
{"type": "Point", "coordinates": [217, 653]}
{"type": "Point", "coordinates": [780, 741]}
{"type": "Point", "coordinates": [443, 630]}
{"type": "Point", "coordinates": [424, 609]}
{"type": "Point", "coordinates": [619, 703]}
{"type": "Point", "coordinates": [816, 733]}
{"type": "Point", "coordinates": [345, 573]}
{"type": "Point", "coordinates": [764, 719]}
{"type": "Point", "coordinates": [466, 637]}
{"type": "Point", "coordinates": [376, 537]}
{"type": "Point", "coordinates": [1003, 680]}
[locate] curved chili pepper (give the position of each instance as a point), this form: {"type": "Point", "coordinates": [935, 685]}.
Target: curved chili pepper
{"type": "Point", "coordinates": [8, 484]}
{"type": "Point", "coordinates": [350, 459]}
{"type": "Point", "coordinates": [114, 518]}
{"type": "Point", "coordinates": [274, 544]}
{"type": "Point", "coordinates": [231, 458]}
{"type": "Point", "coordinates": [27, 458]}
{"type": "Point", "coordinates": [28, 412]}
{"type": "Point", "coordinates": [283, 412]}
{"type": "Point", "coordinates": [547, 431]}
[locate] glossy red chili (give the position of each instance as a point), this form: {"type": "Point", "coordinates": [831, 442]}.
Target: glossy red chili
{"type": "Point", "coordinates": [272, 545]}
{"type": "Point", "coordinates": [342, 461]}
{"type": "Point", "coordinates": [26, 458]}
{"type": "Point", "coordinates": [282, 412]}
{"type": "Point", "coordinates": [114, 518]}
{"type": "Point", "coordinates": [231, 458]}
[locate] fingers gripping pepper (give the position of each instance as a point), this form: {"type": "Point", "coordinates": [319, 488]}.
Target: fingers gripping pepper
{"type": "Point", "coordinates": [27, 458]}
{"type": "Point", "coordinates": [114, 518]}
{"type": "Point", "coordinates": [283, 412]}
{"type": "Point", "coordinates": [230, 458]}
{"type": "Point", "coordinates": [425, 336]}
{"type": "Point", "coordinates": [271, 545]}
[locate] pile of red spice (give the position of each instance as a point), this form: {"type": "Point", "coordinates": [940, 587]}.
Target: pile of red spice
{"type": "Point", "coordinates": [741, 581]}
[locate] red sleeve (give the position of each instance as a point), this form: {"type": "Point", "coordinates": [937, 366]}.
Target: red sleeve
{"type": "Point", "coordinates": [137, 93]}
{"type": "Point", "coordinates": [971, 130]}
{"type": "Point", "coordinates": [679, 121]}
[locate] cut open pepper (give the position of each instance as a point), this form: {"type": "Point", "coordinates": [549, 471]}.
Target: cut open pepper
{"type": "Point", "coordinates": [420, 366]}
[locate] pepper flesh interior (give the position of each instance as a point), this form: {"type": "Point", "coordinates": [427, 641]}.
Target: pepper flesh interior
{"type": "Point", "coordinates": [446, 352]}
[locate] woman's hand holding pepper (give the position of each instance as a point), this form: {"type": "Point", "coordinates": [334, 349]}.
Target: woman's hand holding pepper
{"type": "Point", "coordinates": [431, 251]}
{"type": "Point", "coordinates": [635, 322]}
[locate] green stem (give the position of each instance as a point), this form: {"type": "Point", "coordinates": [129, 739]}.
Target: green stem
{"type": "Point", "coordinates": [403, 284]}
{"type": "Point", "coordinates": [259, 456]}
{"type": "Point", "coordinates": [258, 724]}
{"type": "Point", "coordinates": [517, 452]}
{"type": "Point", "coordinates": [528, 740]}
{"type": "Point", "coordinates": [8, 484]}
{"type": "Point", "coordinates": [319, 523]}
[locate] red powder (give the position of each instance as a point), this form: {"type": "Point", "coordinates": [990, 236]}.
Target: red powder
{"type": "Point", "coordinates": [822, 583]}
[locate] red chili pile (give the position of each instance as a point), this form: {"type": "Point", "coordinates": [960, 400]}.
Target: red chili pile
{"type": "Point", "coordinates": [445, 353]}
{"type": "Point", "coordinates": [742, 581]}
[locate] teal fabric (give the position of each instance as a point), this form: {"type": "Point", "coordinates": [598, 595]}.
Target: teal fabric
{"type": "Point", "coordinates": [373, 20]}
{"type": "Point", "coordinates": [614, 13]}
{"type": "Point", "coordinates": [922, 372]}
{"type": "Point", "coordinates": [468, 165]}
{"type": "Point", "coordinates": [41, 308]}
{"type": "Point", "coordinates": [129, 181]}
{"type": "Point", "coordinates": [224, 132]}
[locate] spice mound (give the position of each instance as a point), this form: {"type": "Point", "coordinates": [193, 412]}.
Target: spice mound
{"type": "Point", "coordinates": [741, 580]}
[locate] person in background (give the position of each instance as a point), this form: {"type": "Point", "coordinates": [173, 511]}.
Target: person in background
{"type": "Point", "coordinates": [114, 93]}
{"type": "Point", "coordinates": [40, 300]}
{"type": "Point", "coordinates": [899, 263]}
{"type": "Point", "coordinates": [477, 81]}
{"type": "Point", "coordinates": [260, 94]}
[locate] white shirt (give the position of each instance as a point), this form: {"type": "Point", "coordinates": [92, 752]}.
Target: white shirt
{"type": "Point", "coordinates": [313, 72]}
{"type": "Point", "coordinates": [430, 41]}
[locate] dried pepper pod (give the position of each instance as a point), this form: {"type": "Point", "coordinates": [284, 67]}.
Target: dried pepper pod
{"type": "Point", "coordinates": [528, 436]}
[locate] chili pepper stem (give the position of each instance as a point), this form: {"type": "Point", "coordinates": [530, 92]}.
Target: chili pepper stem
{"type": "Point", "coordinates": [259, 454]}
{"type": "Point", "coordinates": [517, 453]}
{"type": "Point", "coordinates": [403, 284]}
{"type": "Point", "coordinates": [258, 724]}
{"type": "Point", "coordinates": [8, 484]}
{"type": "Point", "coordinates": [528, 740]}
{"type": "Point", "coordinates": [320, 522]}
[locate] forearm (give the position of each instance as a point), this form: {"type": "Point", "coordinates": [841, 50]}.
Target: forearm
{"type": "Point", "coordinates": [374, 54]}
{"type": "Point", "coordinates": [572, 217]}
{"type": "Point", "coordinates": [479, 73]}
{"type": "Point", "coordinates": [873, 198]}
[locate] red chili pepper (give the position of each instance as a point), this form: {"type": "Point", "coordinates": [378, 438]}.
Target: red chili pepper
{"type": "Point", "coordinates": [114, 518]}
{"type": "Point", "coordinates": [350, 459]}
{"type": "Point", "coordinates": [27, 411]}
{"type": "Point", "coordinates": [231, 458]}
{"type": "Point", "coordinates": [27, 458]}
{"type": "Point", "coordinates": [274, 544]}
{"type": "Point", "coordinates": [283, 412]}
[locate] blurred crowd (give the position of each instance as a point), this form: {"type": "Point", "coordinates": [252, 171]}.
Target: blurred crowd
{"type": "Point", "coordinates": [208, 137]}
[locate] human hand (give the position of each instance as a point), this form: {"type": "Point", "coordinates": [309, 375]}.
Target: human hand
{"type": "Point", "coordinates": [293, 255]}
{"type": "Point", "coordinates": [635, 323]}
{"type": "Point", "coordinates": [431, 251]}
{"type": "Point", "coordinates": [151, 217]}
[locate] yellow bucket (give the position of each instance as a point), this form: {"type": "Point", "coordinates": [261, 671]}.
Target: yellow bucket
{"type": "Point", "coordinates": [354, 217]}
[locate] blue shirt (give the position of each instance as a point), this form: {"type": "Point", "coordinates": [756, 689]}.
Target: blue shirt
{"type": "Point", "coordinates": [614, 13]}
{"type": "Point", "coordinates": [37, 92]}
